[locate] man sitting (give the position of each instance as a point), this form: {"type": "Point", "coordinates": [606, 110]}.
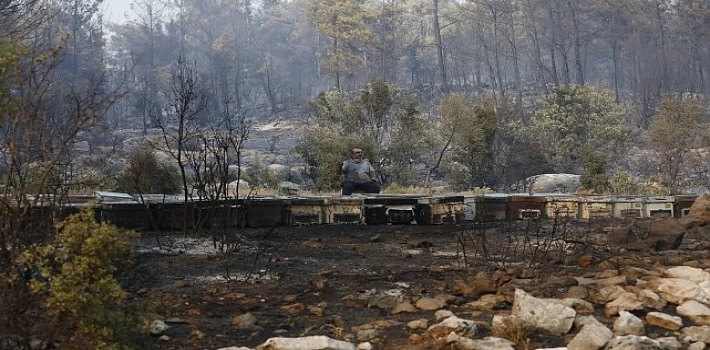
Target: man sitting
{"type": "Point", "coordinates": [359, 174]}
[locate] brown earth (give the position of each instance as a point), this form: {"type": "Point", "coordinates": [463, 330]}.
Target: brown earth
{"type": "Point", "coordinates": [344, 281]}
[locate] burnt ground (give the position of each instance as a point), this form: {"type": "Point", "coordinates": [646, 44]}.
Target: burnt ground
{"type": "Point", "coordinates": [311, 280]}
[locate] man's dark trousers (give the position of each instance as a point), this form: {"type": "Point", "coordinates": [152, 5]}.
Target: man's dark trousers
{"type": "Point", "coordinates": [369, 187]}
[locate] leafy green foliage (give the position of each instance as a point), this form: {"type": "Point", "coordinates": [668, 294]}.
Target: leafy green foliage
{"type": "Point", "coordinates": [675, 131]}
{"type": "Point", "coordinates": [77, 275]}
{"type": "Point", "coordinates": [144, 173]}
{"type": "Point", "coordinates": [594, 172]}
{"type": "Point", "coordinates": [573, 119]}
{"type": "Point", "coordinates": [412, 141]}
{"type": "Point", "coordinates": [473, 146]}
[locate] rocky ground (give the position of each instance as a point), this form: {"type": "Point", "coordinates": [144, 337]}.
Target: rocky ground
{"type": "Point", "coordinates": [425, 287]}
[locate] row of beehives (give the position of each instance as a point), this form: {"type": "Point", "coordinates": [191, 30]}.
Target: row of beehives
{"type": "Point", "coordinates": [385, 209]}
{"type": "Point", "coordinates": [283, 211]}
{"type": "Point", "coordinates": [500, 207]}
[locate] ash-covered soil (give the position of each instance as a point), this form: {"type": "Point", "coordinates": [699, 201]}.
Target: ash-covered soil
{"type": "Point", "coordinates": [354, 282]}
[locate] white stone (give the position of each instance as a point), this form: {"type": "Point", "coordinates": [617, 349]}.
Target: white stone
{"type": "Point", "coordinates": [455, 324]}
{"type": "Point", "coordinates": [677, 291]}
{"type": "Point", "coordinates": [688, 273]}
{"type": "Point", "coordinates": [317, 342]}
{"type": "Point", "coordinates": [442, 314]}
{"type": "Point", "coordinates": [629, 324]}
{"type": "Point", "coordinates": [541, 314]}
{"type": "Point", "coordinates": [236, 348]}
{"type": "Point", "coordinates": [634, 342]}
{"type": "Point", "coordinates": [421, 323]}
{"type": "Point", "coordinates": [695, 311]}
{"type": "Point", "coordinates": [364, 346]}
{"type": "Point", "coordinates": [671, 343]}
{"type": "Point", "coordinates": [593, 336]}
{"type": "Point", "coordinates": [696, 334]}
{"type": "Point", "coordinates": [697, 346]}
{"type": "Point", "coordinates": [488, 343]}
{"type": "Point", "coordinates": [158, 327]}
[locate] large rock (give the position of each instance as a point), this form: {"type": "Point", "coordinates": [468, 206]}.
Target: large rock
{"type": "Point", "coordinates": [696, 333]}
{"type": "Point", "coordinates": [634, 342]}
{"type": "Point", "coordinates": [629, 324]}
{"type": "Point", "coordinates": [554, 183]}
{"type": "Point", "coordinates": [318, 342]}
{"type": "Point", "coordinates": [701, 208]}
{"type": "Point", "coordinates": [678, 291]}
{"type": "Point", "coordinates": [542, 314]}
{"type": "Point", "coordinates": [593, 336]}
{"type": "Point", "coordinates": [688, 273]}
{"type": "Point", "coordinates": [695, 311]}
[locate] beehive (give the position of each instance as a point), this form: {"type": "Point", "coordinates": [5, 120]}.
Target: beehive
{"type": "Point", "coordinates": [439, 210]}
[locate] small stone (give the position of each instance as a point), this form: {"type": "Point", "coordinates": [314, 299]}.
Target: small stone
{"type": "Point", "coordinates": [158, 327]}
{"type": "Point", "coordinates": [421, 323]}
{"type": "Point", "coordinates": [593, 335]}
{"type": "Point", "coordinates": [453, 324]}
{"type": "Point", "coordinates": [164, 338]}
{"type": "Point", "coordinates": [234, 296]}
{"type": "Point", "coordinates": [697, 346]}
{"type": "Point", "coordinates": [367, 334]}
{"type": "Point", "coordinates": [376, 238]}
{"type": "Point", "coordinates": [442, 314]}
{"type": "Point", "coordinates": [446, 298]}
{"type": "Point", "coordinates": [197, 334]}
{"type": "Point", "coordinates": [629, 324]}
{"type": "Point", "coordinates": [651, 300]}
{"type": "Point", "coordinates": [696, 334]}
{"type": "Point", "coordinates": [293, 308]}
{"type": "Point", "coordinates": [664, 321]}
{"type": "Point", "coordinates": [624, 302]}
{"type": "Point", "coordinates": [315, 311]}
{"type": "Point", "coordinates": [415, 338]}
{"type": "Point", "coordinates": [633, 342]}
{"type": "Point", "coordinates": [244, 321]}
{"type": "Point", "coordinates": [403, 307]}
{"type": "Point", "coordinates": [577, 292]}
{"type": "Point", "coordinates": [429, 304]}
{"type": "Point", "coordinates": [179, 284]}
{"type": "Point", "coordinates": [671, 343]}
{"type": "Point", "coordinates": [487, 302]}
{"type": "Point", "coordinates": [321, 284]}
{"type": "Point", "coordinates": [606, 294]}
{"type": "Point", "coordinates": [364, 346]}
{"type": "Point", "coordinates": [290, 298]}
{"type": "Point", "coordinates": [613, 281]}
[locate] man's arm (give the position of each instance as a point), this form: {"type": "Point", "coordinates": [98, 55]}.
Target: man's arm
{"type": "Point", "coordinates": [373, 175]}
{"type": "Point", "coordinates": [342, 167]}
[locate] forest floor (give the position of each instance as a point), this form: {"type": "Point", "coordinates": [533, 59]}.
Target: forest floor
{"type": "Point", "coordinates": [358, 283]}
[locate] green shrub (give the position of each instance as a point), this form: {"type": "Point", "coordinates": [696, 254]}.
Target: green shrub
{"type": "Point", "coordinates": [77, 278]}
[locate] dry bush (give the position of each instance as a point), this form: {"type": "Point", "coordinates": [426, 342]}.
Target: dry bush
{"type": "Point", "coordinates": [512, 329]}
{"type": "Point", "coordinates": [526, 243]}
